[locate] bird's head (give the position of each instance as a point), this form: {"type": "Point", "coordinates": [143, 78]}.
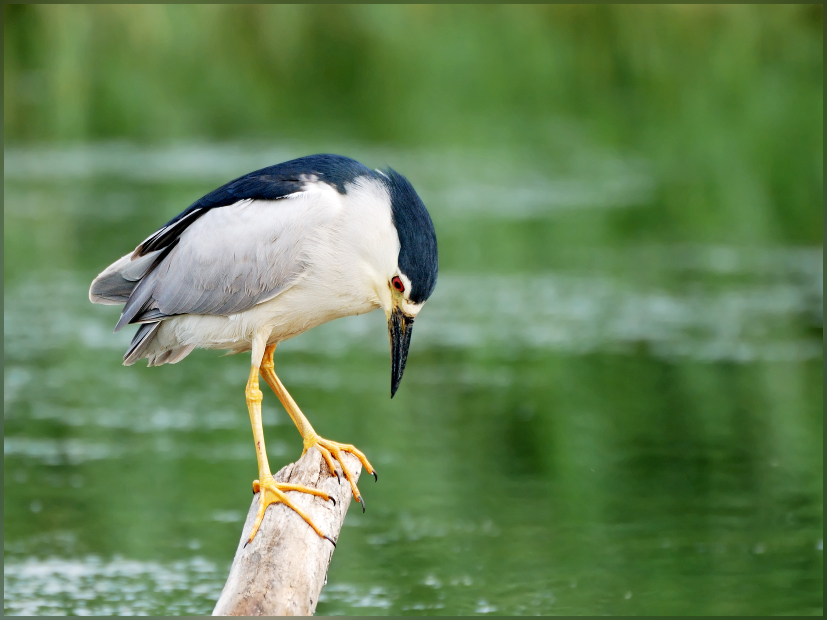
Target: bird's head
{"type": "Point", "coordinates": [411, 278]}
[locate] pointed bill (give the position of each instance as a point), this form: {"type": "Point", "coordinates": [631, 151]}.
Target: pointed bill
{"type": "Point", "coordinates": [399, 328]}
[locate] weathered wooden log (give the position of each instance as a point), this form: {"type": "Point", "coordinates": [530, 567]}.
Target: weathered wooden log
{"type": "Point", "coordinates": [281, 573]}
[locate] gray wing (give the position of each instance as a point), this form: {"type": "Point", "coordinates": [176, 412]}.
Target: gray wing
{"type": "Point", "coordinates": [227, 261]}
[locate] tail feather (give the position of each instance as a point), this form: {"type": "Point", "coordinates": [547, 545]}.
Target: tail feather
{"type": "Point", "coordinates": [170, 356]}
{"type": "Point", "coordinates": [117, 284]}
{"type": "Point", "coordinates": [143, 338]}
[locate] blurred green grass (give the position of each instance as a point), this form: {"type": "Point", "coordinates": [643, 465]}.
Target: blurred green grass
{"type": "Point", "coordinates": [725, 101]}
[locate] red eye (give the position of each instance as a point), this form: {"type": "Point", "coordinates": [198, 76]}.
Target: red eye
{"type": "Point", "coordinates": [397, 284]}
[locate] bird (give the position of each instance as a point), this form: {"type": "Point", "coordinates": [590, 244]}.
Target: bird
{"type": "Point", "coordinates": [267, 257]}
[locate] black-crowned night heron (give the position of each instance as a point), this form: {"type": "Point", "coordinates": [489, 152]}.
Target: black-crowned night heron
{"type": "Point", "coordinates": [267, 257]}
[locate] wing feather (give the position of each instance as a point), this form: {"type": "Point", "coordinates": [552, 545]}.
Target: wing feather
{"type": "Point", "coordinates": [232, 258]}
{"type": "Point", "coordinates": [235, 247]}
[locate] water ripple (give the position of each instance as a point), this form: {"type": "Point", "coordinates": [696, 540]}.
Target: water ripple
{"type": "Point", "coordinates": [117, 587]}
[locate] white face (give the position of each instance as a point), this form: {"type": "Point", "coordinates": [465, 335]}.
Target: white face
{"type": "Point", "coordinates": [390, 296]}
{"type": "Point", "coordinates": [400, 289]}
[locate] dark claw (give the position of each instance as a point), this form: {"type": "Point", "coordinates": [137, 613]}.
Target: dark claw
{"type": "Point", "coordinates": [332, 499]}
{"type": "Point", "coordinates": [338, 477]}
{"type": "Point", "coordinates": [375, 476]}
{"type": "Point", "coordinates": [361, 501]}
{"type": "Point", "coordinates": [331, 541]}
{"type": "Point", "coordinates": [245, 544]}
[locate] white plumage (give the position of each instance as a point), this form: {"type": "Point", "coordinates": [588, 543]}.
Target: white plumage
{"type": "Point", "coordinates": [308, 258]}
{"type": "Point", "coordinates": [268, 256]}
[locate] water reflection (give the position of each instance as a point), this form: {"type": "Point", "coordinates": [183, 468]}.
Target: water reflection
{"type": "Point", "coordinates": [617, 425]}
{"type": "Point", "coordinates": [703, 320]}
{"type": "Point", "coordinates": [594, 179]}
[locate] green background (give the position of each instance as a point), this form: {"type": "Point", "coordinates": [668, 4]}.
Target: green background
{"type": "Point", "coordinates": [613, 402]}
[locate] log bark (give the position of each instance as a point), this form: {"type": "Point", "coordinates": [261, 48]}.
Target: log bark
{"type": "Point", "coordinates": [282, 572]}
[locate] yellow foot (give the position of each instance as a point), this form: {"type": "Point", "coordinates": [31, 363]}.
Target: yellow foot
{"type": "Point", "coordinates": [332, 450]}
{"type": "Point", "coordinates": [273, 492]}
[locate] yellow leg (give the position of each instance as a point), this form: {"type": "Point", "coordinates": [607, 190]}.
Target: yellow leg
{"type": "Point", "coordinates": [329, 449]}
{"type": "Point", "coordinates": [271, 491]}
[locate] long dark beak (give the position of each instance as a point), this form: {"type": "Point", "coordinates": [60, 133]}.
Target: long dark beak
{"type": "Point", "coordinates": [399, 327]}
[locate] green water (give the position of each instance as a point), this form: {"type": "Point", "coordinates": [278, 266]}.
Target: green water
{"type": "Point", "coordinates": [614, 399]}
{"type": "Point", "coordinates": [582, 428]}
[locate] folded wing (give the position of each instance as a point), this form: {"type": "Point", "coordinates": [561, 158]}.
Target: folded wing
{"type": "Point", "coordinates": [240, 245]}
{"type": "Point", "coordinates": [225, 262]}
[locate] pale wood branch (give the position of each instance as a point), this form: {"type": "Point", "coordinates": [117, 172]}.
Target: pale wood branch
{"type": "Point", "coordinates": [281, 573]}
